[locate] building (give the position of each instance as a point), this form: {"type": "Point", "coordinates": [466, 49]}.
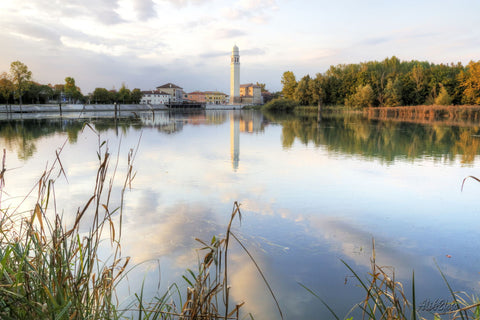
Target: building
{"type": "Point", "coordinates": [208, 97]}
{"type": "Point", "coordinates": [216, 97]}
{"type": "Point", "coordinates": [197, 96]}
{"type": "Point", "coordinates": [154, 97]}
{"type": "Point", "coordinates": [251, 93]}
{"type": "Point", "coordinates": [176, 93]}
{"type": "Point", "coordinates": [235, 76]}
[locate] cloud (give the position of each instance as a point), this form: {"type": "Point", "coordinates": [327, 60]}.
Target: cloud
{"type": "Point", "coordinates": [231, 33]}
{"type": "Point", "coordinates": [255, 11]}
{"type": "Point", "coordinates": [252, 52]}
{"type": "Point", "coordinates": [145, 9]}
{"type": "Point", "coordinates": [35, 31]}
{"type": "Point", "coordinates": [170, 232]}
{"type": "Point", "coordinates": [183, 3]}
{"type": "Point", "coordinates": [375, 41]}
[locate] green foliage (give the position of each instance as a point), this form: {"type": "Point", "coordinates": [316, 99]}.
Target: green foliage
{"type": "Point", "coordinates": [302, 92]}
{"type": "Point", "coordinates": [6, 86]}
{"type": "Point", "coordinates": [20, 76]}
{"type": "Point", "coordinates": [101, 95]}
{"type": "Point", "coordinates": [71, 90]}
{"type": "Point", "coordinates": [363, 98]}
{"type": "Point", "coordinates": [443, 98]}
{"type": "Point", "coordinates": [289, 84]}
{"type": "Point", "coordinates": [124, 94]}
{"type": "Point", "coordinates": [280, 104]}
{"type": "Point", "coordinates": [393, 93]}
{"type": "Point", "coordinates": [392, 81]}
{"type": "Point", "coordinates": [136, 96]}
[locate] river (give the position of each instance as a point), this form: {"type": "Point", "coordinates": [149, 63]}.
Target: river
{"type": "Point", "coordinates": [312, 194]}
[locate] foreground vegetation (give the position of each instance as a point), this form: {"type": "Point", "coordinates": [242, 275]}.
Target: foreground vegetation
{"type": "Point", "coordinates": [49, 270]}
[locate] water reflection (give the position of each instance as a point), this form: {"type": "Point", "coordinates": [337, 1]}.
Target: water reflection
{"type": "Point", "coordinates": [311, 193]}
{"type": "Point", "coordinates": [386, 140]}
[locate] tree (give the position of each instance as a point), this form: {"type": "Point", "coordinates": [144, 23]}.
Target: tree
{"type": "Point", "coordinates": [136, 95]}
{"type": "Point", "coordinates": [289, 85]}
{"type": "Point", "coordinates": [101, 95]}
{"type": "Point", "coordinates": [443, 98]}
{"type": "Point", "coordinates": [6, 86]}
{"type": "Point", "coordinates": [393, 93]}
{"type": "Point", "coordinates": [317, 89]}
{"type": "Point", "coordinates": [20, 78]}
{"type": "Point", "coordinates": [71, 90]}
{"type": "Point", "coordinates": [362, 98]}
{"type": "Point", "coordinates": [302, 92]}
{"type": "Point", "coordinates": [262, 86]}
{"type": "Point", "coordinates": [124, 94]}
{"type": "Point", "coordinates": [470, 81]}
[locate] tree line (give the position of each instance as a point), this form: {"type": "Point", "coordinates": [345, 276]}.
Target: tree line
{"type": "Point", "coordinates": [390, 82]}
{"type": "Point", "coordinates": [17, 86]}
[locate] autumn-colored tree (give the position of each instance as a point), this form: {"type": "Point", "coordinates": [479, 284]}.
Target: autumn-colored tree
{"type": "Point", "coordinates": [289, 85]}
{"type": "Point", "coordinates": [20, 76]}
{"type": "Point", "coordinates": [470, 81]}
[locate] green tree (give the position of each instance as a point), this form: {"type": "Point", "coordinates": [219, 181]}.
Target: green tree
{"type": "Point", "coordinates": [20, 76]}
{"type": "Point", "coordinates": [302, 92]}
{"type": "Point", "coordinates": [393, 93]}
{"type": "Point", "coordinates": [6, 86]}
{"type": "Point", "coordinates": [101, 95]}
{"type": "Point", "coordinates": [124, 94]}
{"type": "Point", "coordinates": [317, 89]}
{"type": "Point", "coordinates": [136, 95]}
{"type": "Point", "coordinates": [443, 98]}
{"type": "Point", "coordinates": [289, 85]}
{"type": "Point", "coordinates": [72, 92]}
{"type": "Point", "coordinates": [362, 98]}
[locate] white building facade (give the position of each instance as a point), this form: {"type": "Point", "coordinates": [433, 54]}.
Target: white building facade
{"type": "Point", "coordinates": [155, 97]}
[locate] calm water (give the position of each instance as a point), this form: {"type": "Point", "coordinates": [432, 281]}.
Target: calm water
{"type": "Point", "coordinates": [311, 194]}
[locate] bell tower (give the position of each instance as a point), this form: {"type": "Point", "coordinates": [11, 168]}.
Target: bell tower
{"type": "Point", "coordinates": [235, 76]}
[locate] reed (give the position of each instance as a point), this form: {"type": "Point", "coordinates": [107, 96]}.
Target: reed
{"type": "Point", "coordinates": [426, 113]}
{"type": "Point", "coordinates": [51, 271]}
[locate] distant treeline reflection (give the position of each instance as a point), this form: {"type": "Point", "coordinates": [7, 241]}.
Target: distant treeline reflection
{"type": "Point", "coordinates": [340, 133]}
{"type": "Point", "coordinates": [385, 140]}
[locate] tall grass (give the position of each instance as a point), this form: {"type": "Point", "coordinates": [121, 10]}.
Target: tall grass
{"type": "Point", "coordinates": [49, 270]}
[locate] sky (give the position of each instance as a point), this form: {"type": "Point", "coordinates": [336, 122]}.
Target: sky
{"type": "Point", "coordinates": [147, 43]}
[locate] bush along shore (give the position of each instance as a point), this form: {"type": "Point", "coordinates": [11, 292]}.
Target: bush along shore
{"type": "Point", "coordinates": [49, 270]}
